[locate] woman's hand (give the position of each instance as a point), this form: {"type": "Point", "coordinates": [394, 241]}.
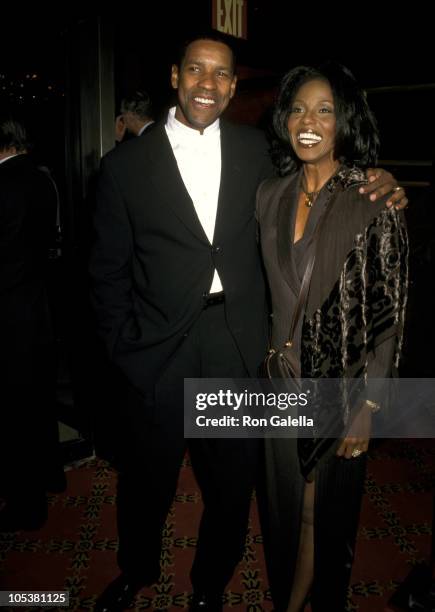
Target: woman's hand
{"type": "Point", "coordinates": [382, 182]}
{"type": "Point", "coordinates": [358, 435]}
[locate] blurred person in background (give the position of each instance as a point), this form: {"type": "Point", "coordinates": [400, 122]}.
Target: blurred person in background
{"type": "Point", "coordinates": [136, 116]}
{"type": "Point", "coordinates": [29, 452]}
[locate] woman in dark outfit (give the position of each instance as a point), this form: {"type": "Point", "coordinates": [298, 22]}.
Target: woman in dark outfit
{"type": "Point", "coordinates": [351, 326]}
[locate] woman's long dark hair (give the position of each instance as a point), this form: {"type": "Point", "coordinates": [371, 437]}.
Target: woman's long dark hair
{"type": "Point", "coordinates": [356, 137]}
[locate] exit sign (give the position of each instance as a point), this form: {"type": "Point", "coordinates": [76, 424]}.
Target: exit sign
{"type": "Point", "coordinates": [229, 17]}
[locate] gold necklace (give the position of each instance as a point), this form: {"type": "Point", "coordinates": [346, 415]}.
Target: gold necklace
{"type": "Point", "coordinates": [310, 196]}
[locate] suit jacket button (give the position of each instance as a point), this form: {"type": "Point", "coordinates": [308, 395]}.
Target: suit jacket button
{"type": "Point", "coordinates": [216, 249]}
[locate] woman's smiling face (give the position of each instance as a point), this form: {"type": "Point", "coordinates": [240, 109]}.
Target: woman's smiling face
{"type": "Point", "coordinates": [311, 122]}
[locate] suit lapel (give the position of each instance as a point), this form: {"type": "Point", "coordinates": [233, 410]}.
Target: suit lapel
{"type": "Point", "coordinates": [285, 233]}
{"type": "Point", "coordinates": [231, 175]}
{"type": "Point", "coordinates": [167, 179]}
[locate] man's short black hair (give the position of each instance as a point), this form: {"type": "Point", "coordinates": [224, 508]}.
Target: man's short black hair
{"type": "Point", "coordinates": [212, 35]}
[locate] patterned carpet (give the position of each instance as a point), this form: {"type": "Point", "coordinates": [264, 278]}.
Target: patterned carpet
{"type": "Point", "coordinates": [75, 551]}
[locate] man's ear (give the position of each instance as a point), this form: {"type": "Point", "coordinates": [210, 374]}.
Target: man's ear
{"type": "Point", "coordinates": [233, 86]}
{"type": "Point", "coordinates": [174, 76]}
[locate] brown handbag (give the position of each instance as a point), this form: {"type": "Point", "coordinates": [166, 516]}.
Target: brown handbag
{"type": "Point", "coordinates": [284, 363]}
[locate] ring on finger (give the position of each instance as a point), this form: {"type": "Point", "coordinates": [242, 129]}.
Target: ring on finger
{"type": "Point", "coordinates": [356, 452]}
{"type": "Point", "coordinates": [397, 188]}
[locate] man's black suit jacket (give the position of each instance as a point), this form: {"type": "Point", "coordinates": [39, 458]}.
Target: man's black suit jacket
{"type": "Point", "coordinates": [28, 204]}
{"type": "Point", "coordinates": [152, 262]}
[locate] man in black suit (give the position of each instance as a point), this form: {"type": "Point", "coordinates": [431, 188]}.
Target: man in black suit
{"type": "Point", "coordinates": [179, 292]}
{"type": "Point", "coordinates": [29, 454]}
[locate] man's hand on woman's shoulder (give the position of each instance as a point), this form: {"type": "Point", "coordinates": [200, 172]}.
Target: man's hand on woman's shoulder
{"type": "Point", "coordinates": [382, 182]}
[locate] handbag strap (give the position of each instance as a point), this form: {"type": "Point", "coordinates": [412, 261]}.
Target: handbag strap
{"type": "Point", "coordinates": [306, 280]}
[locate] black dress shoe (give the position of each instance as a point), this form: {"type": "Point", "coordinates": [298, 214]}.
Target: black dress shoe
{"type": "Point", "coordinates": [203, 602]}
{"type": "Point", "coordinates": [118, 595]}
